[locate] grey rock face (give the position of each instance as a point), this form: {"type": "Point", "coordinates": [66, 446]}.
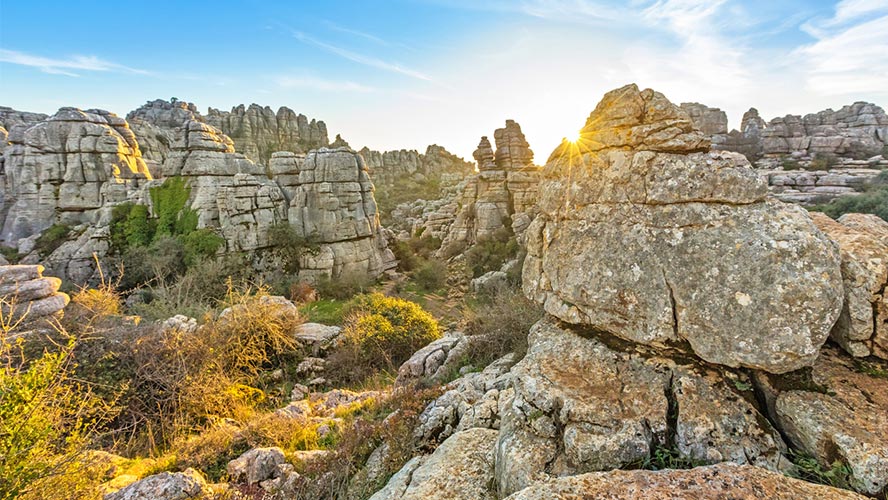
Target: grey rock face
{"type": "Point", "coordinates": [714, 482]}
{"type": "Point", "coordinates": [165, 486]}
{"type": "Point", "coordinates": [157, 124]}
{"type": "Point", "coordinates": [63, 169]}
{"type": "Point", "coordinates": [579, 405]}
{"type": "Point", "coordinates": [860, 128]}
{"type": "Point", "coordinates": [258, 131]}
{"type": "Point", "coordinates": [505, 188]}
{"type": "Point", "coordinates": [333, 205]}
{"type": "Point", "coordinates": [256, 465]}
{"type": "Point", "coordinates": [460, 469]}
{"type": "Point", "coordinates": [839, 414]}
{"type": "Point", "coordinates": [27, 293]}
{"type": "Point", "coordinates": [646, 235]}
{"type": "Point", "coordinates": [862, 328]}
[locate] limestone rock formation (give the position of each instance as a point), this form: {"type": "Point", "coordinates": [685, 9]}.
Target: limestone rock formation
{"type": "Point", "coordinates": [460, 469]}
{"type": "Point", "coordinates": [862, 328]}
{"type": "Point", "coordinates": [259, 131]}
{"type": "Point", "coordinates": [157, 125]}
{"type": "Point", "coordinates": [165, 486]}
{"type": "Point", "coordinates": [858, 129]}
{"type": "Point", "coordinates": [256, 465]}
{"type": "Point", "coordinates": [580, 405]}
{"type": "Point", "coordinates": [64, 169]}
{"type": "Point", "coordinates": [715, 482]}
{"type": "Point", "coordinates": [836, 413]}
{"type": "Point", "coordinates": [391, 169]}
{"type": "Point", "coordinates": [27, 293]}
{"type": "Point", "coordinates": [711, 121]}
{"type": "Point", "coordinates": [504, 191]}
{"type": "Point", "coordinates": [645, 234]}
{"type": "Point", "coordinates": [333, 205]}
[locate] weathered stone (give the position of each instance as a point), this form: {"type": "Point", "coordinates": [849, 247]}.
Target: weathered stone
{"type": "Point", "coordinates": [862, 328]}
{"type": "Point", "coordinates": [258, 131]}
{"type": "Point", "coordinates": [165, 486]}
{"type": "Point", "coordinates": [459, 469]}
{"type": "Point", "coordinates": [256, 465]}
{"type": "Point", "coordinates": [714, 482]}
{"type": "Point", "coordinates": [579, 406]}
{"type": "Point", "coordinates": [838, 414]}
{"type": "Point", "coordinates": [27, 294]}
{"type": "Point", "coordinates": [655, 246]}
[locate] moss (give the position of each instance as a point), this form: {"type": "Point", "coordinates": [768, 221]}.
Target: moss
{"type": "Point", "coordinates": [52, 238]}
{"type": "Point", "coordinates": [169, 200]}
{"type": "Point", "coordinates": [326, 311]}
{"type": "Point", "coordinates": [10, 254]}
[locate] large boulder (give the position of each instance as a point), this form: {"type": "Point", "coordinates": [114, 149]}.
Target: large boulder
{"type": "Point", "coordinates": [460, 469]}
{"type": "Point", "coordinates": [862, 328]}
{"type": "Point", "coordinates": [715, 482]}
{"type": "Point", "coordinates": [837, 412]}
{"type": "Point", "coordinates": [186, 485]}
{"type": "Point", "coordinates": [580, 404]}
{"type": "Point", "coordinates": [645, 234]}
{"type": "Point", "coordinates": [26, 293]}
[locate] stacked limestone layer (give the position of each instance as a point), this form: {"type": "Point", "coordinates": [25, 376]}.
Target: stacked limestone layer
{"type": "Point", "coordinates": [502, 195]}
{"type": "Point", "coordinates": [646, 234]}
{"type": "Point", "coordinates": [66, 168]}
{"type": "Point", "coordinates": [157, 124]}
{"type": "Point", "coordinates": [259, 131]}
{"type": "Point", "coordinates": [862, 328]}
{"type": "Point", "coordinates": [332, 205]}
{"type": "Point", "coordinates": [27, 293]}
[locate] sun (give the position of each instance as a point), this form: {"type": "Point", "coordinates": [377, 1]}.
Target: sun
{"type": "Point", "coordinates": [574, 137]}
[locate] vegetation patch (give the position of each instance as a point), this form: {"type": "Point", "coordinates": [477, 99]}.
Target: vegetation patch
{"type": "Point", "coordinates": [807, 468]}
{"type": "Point", "coordinates": [873, 200]}
{"type": "Point", "coordinates": [52, 238]}
{"type": "Point", "coordinates": [491, 252]}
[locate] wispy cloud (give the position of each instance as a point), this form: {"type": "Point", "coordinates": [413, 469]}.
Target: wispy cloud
{"type": "Point", "coordinates": [849, 52]}
{"type": "Point", "coordinates": [321, 84]}
{"type": "Point", "coordinates": [372, 62]}
{"type": "Point", "coordinates": [65, 66]}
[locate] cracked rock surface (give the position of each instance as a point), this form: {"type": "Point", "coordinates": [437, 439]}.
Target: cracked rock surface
{"type": "Point", "coordinates": [645, 234]}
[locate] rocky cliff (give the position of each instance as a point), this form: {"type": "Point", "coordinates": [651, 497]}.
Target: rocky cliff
{"type": "Point", "coordinates": [502, 195]}
{"type": "Point", "coordinates": [259, 131]}
{"type": "Point", "coordinates": [661, 340]}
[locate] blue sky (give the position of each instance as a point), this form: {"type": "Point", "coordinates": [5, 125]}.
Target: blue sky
{"type": "Point", "coordinates": [406, 73]}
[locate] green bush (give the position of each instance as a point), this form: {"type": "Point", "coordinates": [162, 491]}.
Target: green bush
{"type": "Point", "coordinates": [52, 238]}
{"type": "Point", "coordinates": [491, 252]}
{"type": "Point", "coordinates": [201, 244]}
{"type": "Point", "coordinates": [169, 201]}
{"type": "Point", "coordinates": [823, 161]}
{"type": "Point", "coordinates": [503, 320]}
{"type": "Point", "coordinates": [874, 200]}
{"type": "Point", "coordinates": [381, 333]}
{"type": "Point", "coordinates": [431, 275]}
{"type": "Point", "coordinates": [346, 286]}
{"type": "Point", "coordinates": [289, 246]}
{"type": "Point", "coordinates": [10, 254]}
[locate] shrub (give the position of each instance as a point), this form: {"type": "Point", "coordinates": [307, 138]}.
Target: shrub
{"type": "Point", "coordinates": [52, 238]}
{"type": "Point", "coordinates": [169, 201]}
{"type": "Point", "coordinates": [491, 252]}
{"type": "Point", "coordinates": [47, 417]}
{"type": "Point", "coordinates": [381, 333]}
{"type": "Point", "coordinates": [431, 275]}
{"type": "Point", "coordinates": [823, 161]}
{"type": "Point", "coordinates": [347, 285]}
{"type": "Point", "coordinates": [302, 293]}
{"type": "Point", "coordinates": [289, 246]}
{"type": "Point", "coordinates": [504, 320]}
{"type": "Point", "coordinates": [201, 244]}
{"type": "Point", "coordinates": [874, 200]}
{"type": "Point", "coordinates": [10, 254]}
{"type": "Point", "coordinates": [789, 164]}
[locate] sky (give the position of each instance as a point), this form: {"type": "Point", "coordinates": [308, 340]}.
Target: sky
{"type": "Point", "coordinates": [408, 73]}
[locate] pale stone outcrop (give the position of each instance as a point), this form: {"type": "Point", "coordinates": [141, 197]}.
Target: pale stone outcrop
{"type": "Point", "coordinates": [460, 469]}
{"type": "Point", "coordinates": [165, 486]}
{"type": "Point", "coordinates": [27, 293]}
{"type": "Point", "coordinates": [714, 482]}
{"type": "Point", "coordinates": [333, 206]}
{"type": "Point", "coordinates": [645, 234]}
{"type": "Point", "coordinates": [580, 405]}
{"type": "Point", "coordinates": [64, 169]}
{"type": "Point", "coordinates": [256, 465]}
{"type": "Point", "coordinates": [858, 129]}
{"type": "Point", "coordinates": [504, 189]}
{"type": "Point", "coordinates": [157, 125]}
{"type": "Point", "coordinates": [862, 328]}
{"type": "Point", "coordinates": [395, 169]}
{"type": "Point", "coordinates": [259, 131]}
{"type": "Point", "coordinates": [836, 413]}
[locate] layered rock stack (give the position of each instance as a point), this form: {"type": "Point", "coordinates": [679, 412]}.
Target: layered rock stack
{"type": "Point", "coordinates": [64, 169]}
{"type": "Point", "coordinates": [25, 292]}
{"type": "Point", "coordinates": [686, 223]}
{"type": "Point", "coordinates": [259, 131]}
{"type": "Point", "coordinates": [503, 193]}
{"type": "Point", "coordinates": [333, 205]}
{"type": "Point", "coordinates": [686, 318]}
{"type": "Point", "coordinates": [157, 125]}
